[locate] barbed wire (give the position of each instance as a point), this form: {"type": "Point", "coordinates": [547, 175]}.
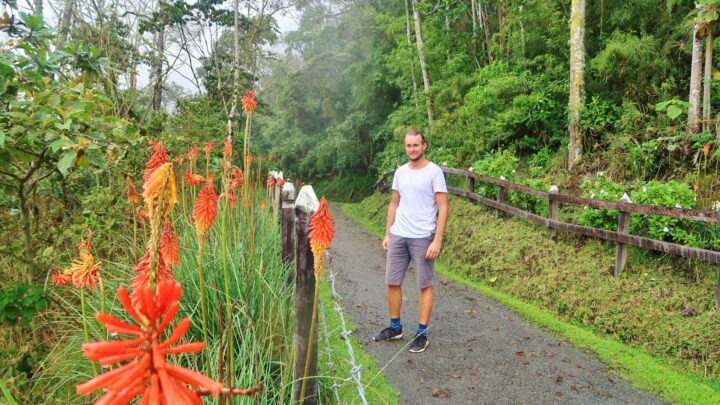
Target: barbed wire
{"type": "Point", "coordinates": [329, 352]}
{"type": "Point", "coordinates": [355, 369]}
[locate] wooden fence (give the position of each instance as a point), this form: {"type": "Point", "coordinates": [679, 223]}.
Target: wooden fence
{"type": "Point", "coordinates": [622, 236]}
{"type": "Point", "coordinates": [293, 216]}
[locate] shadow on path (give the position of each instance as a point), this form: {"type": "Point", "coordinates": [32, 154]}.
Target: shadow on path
{"type": "Point", "coordinates": [479, 353]}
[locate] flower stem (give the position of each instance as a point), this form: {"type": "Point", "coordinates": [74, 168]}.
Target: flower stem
{"type": "Point", "coordinates": [85, 325]}
{"type": "Point", "coordinates": [202, 298]}
{"type": "Point", "coordinates": [311, 339]}
{"type": "Point", "coordinates": [223, 236]}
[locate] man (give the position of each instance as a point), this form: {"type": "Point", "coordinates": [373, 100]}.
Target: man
{"type": "Point", "coordinates": [419, 198]}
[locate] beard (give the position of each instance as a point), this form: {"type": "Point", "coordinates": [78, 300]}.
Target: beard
{"type": "Point", "coordinates": [418, 157]}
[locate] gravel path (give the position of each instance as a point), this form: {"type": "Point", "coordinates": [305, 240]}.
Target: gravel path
{"type": "Point", "coordinates": [479, 353]}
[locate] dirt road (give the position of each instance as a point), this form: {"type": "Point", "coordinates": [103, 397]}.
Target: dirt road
{"type": "Point", "coordinates": [479, 353]}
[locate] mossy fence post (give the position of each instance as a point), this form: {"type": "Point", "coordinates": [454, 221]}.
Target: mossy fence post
{"type": "Point", "coordinates": [305, 204]}
{"type": "Point", "coordinates": [287, 224]}
{"type": "Point", "coordinates": [624, 228]}
{"type": "Point", "coordinates": [553, 208]}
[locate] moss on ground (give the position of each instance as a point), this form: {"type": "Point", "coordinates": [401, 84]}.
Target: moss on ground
{"type": "Point", "coordinates": [660, 305]}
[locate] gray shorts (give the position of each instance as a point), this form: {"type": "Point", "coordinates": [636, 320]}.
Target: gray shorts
{"type": "Point", "coordinates": [400, 252]}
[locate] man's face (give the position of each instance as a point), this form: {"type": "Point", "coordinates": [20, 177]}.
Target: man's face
{"type": "Point", "coordinates": [414, 147]}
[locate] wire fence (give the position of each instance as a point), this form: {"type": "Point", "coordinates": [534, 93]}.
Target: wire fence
{"type": "Point", "coordinates": [355, 369]}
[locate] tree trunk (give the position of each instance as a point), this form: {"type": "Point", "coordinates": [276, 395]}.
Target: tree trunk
{"type": "Point", "coordinates": [577, 68]}
{"type": "Point", "coordinates": [409, 44]}
{"type": "Point", "coordinates": [708, 80]}
{"type": "Point", "coordinates": [695, 72]}
{"type": "Point", "coordinates": [423, 65]}
{"type": "Point", "coordinates": [158, 68]}
{"type": "Point", "coordinates": [236, 68]}
{"type": "Point", "coordinates": [65, 22]}
{"type": "Point", "coordinates": [38, 7]}
{"type": "Point", "coordinates": [485, 26]}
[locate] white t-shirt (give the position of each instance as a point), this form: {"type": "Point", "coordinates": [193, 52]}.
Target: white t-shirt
{"type": "Point", "coordinates": [416, 216]}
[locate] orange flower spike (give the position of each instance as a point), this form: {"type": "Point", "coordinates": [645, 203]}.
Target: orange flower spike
{"type": "Point", "coordinates": [321, 234]}
{"type": "Point", "coordinates": [237, 179]}
{"type": "Point", "coordinates": [205, 210]}
{"type": "Point", "coordinates": [193, 152]}
{"type": "Point", "coordinates": [158, 157]}
{"type": "Point", "coordinates": [60, 278]}
{"type": "Point", "coordinates": [696, 185]}
{"type": "Point", "coordinates": [132, 195]}
{"type": "Point", "coordinates": [706, 149]}
{"type": "Point", "coordinates": [248, 101]}
{"type": "Point", "coordinates": [148, 373]}
{"type": "Point", "coordinates": [209, 145]}
{"type": "Point", "coordinates": [249, 158]}
{"type": "Point", "coordinates": [142, 273]}
{"type": "Point", "coordinates": [142, 214]}
{"type": "Point", "coordinates": [271, 182]}
{"type": "Point", "coordinates": [84, 271]}
{"type": "Point", "coordinates": [281, 183]}
{"type": "Point", "coordinates": [193, 179]}
{"type": "Point", "coordinates": [227, 148]}
{"type": "Point", "coordinates": [169, 246]}
{"type": "Point", "coordinates": [161, 186]}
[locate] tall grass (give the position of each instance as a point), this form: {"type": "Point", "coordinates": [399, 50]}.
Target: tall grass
{"type": "Point", "coordinates": [258, 291]}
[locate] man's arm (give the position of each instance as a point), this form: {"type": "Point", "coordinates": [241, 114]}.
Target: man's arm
{"type": "Point", "coordinates": [392, 209]}
{"type": "Point", "coordinates": [434, 248]}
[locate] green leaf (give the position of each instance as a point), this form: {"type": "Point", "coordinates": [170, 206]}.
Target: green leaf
{"type": "Point", "coordinates": [66, 161]}
{"type": "Point", "coordinates": [661, 106]}
{"type": "Point", "coordinates": [674, 111]}
{"type": "Point", "coordinates": [2, 138]}
{"type": "Point", "coordinates": [59, 143]}
{"type": "Point", "coordinates": [96, 158]}
{"type": "Point", "coordinates": [34, 22]}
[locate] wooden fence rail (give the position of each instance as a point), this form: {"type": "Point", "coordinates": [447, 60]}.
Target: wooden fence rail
{"type": "Point", "coordinates": [626, 208]}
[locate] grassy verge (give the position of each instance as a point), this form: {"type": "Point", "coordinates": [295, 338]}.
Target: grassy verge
{"type": "Point", "coordinates": [662, 375]}
{"type": "Point", "coordinates": [377, 389]}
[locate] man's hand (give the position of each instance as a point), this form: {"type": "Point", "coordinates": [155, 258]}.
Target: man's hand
{"type": "Point", "coordinates": [433, 250]}
{"type": "Point", "coordinates": [386, 242]}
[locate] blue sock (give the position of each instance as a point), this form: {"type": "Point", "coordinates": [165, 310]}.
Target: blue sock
{"type": "Point", "coordinates": [395, 323]}
{"type": "Point", "coordinates": [422, 330]}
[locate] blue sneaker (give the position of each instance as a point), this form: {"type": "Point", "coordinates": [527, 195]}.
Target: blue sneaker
{"type": "Point", "coordinates": [388, 334]}
{"type": "Point", "coordinates": [419, 344]}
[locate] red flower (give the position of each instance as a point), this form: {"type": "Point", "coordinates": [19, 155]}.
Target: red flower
{"type": "Point", "coordinates": [169, 246]}
{"type": "Point", "coordinates": [158, 157]}
{"type": "Point", "coordinates": [142, 214]}
{"type": "Point", "coordinates": [281, 183]}
{"type": "Point", "coordinates": [231, 198]}
{"type": "Point", "coordinates": [142, 270]}
{"type": "Point", "coordinates": [248, 101]}
{"type": "Point", "coordinates": [60, 278]}
{"type": "Point", "coordinates": [147, 372]}
{"type": "Point", "coordinates": [237, 180]}
{"type": "Point", "coordinates": [205, 210]}
{"type": "Point", "coordinates": [132, 194]}
{"type": "Point", "coordinates": [193, 152]}
{"type": "Point", "coordinates": [321, 235]}
{"type": "Point", "coordinates": [193, 179]}
{"type": "Point", "coordinates": [270, 182]}
{"type": "Point", "coordinates": [209, 145]}
{"type": "Point", "coordinates": [262, 204]}
{"type": "Point", "coordinates": [706, 149]}
{"type": "Point", "coordinates": [249, 158]}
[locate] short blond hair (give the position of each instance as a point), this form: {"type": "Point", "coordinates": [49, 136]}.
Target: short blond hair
{"type": "Point", "coordinates": [416, 132]}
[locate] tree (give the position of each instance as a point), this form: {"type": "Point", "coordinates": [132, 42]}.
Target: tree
{"type": "Point", "coordinates": [577, 69]}
{"type": "Point", "coordinates": [423, 64]}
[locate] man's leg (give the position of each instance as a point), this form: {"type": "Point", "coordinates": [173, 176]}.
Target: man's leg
{"type": "Point", "coordinates": [394, 299]}
{"type": "Point", "coordinates": [398, 259]}
{"type": "Point", "coordinates": [427, 298]}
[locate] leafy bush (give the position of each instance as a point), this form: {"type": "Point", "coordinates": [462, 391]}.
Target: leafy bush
{"type": "Point", "coordinates": [664, 194]}
{"type": "Point", "coordinates": [20, 302]}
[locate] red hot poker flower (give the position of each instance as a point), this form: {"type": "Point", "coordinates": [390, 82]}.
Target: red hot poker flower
{"type": "Point", "coordinates": [158, 157]}
{"type": "Point", "coordinates": [205, 210]}
{"type": "Point", "coordinates": [236, 181]}
{"type": "Point", "coordinates": [248, 101]}
{"type": "Point", "coordinates": [209, 145]}
{"type": "Point", "coordinates": [706, 149]}
{"type": "Point", "coordinates": [169, 246]}
{"type": "Point", "coordinates": [321, 234]}
{"type": "Point", "coordinates": [281, 183]}
{"type": "Point", "coordinates": [142, 273]}
{"type": "Point", "coordinates": [271, 182]}
{"type": "Point", "coordinates": [193, 152]}
{"type": "Point", "coordinates": [132, 194]}
{"type": "Point", "coordinates": [193, 179]}
{"type": "Point", "coordinates": [148, 372]}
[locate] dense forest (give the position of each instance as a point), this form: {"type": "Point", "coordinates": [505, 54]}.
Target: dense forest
{"type": "Point", "coordinates": [600, 98]}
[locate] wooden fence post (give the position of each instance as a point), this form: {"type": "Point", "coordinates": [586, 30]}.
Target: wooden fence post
{"type": "Point", "coordinates": [501, 197]}
{"type": "Point", "coordinates": [553, 207]}
{"type": "Point", "coordinates": [287, 223]}
{"type": "Point", "coordinates": [470, 184]}
{"type": "Point", "coordinates": [623, 227]}
{"type": "Point", "coordinates": [305, 205]}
